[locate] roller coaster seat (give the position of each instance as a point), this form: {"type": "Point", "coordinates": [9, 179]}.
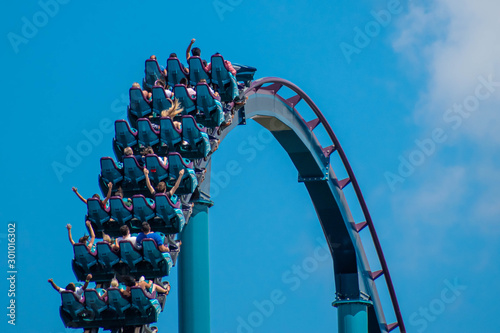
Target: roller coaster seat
{"type": "Point", "coordinates": [147, 306]}
{"type": "Point", "coordinates": [147, 136]}
{"type": "Point", "coordinates": [175, 72]}
{"type": "Point", "coordinates": [187, 102]}
{"type": "Point", "coordinates": [111, 171]}
{"type": "Point", "coordinates": [160, 101]}
{"type": "Point", "coordinates": [143, 210]}
{"type": "Point", "coordinates": [210, 109]}
{"type": "Point", "coordinates": [133, 173]}
{"type": "Point", "coordinates": [96, 213]}
{"type": "Point", "coordinates": [197, 71]}
{"type": "Point", "coordinates": [170, 213]}
{"type": "Point", "coordinates": [152, 73]}
{"type": "Point", "coordinates": [189, 181]}
{"type": "Point", "coordinates": [194, 134]}
{"type": "Point", "coordinates": [170, 136]}
{"type": "Point", "coordinates": [139, 106]}
{"type": "Point", "coordinates": [106, 256]}
{"type": "Point", "coordinates": [120, 212]}
{"type": "Point", "coordinates": [125, 136]}
{"type": "Point", "coordinates": [158, 171]}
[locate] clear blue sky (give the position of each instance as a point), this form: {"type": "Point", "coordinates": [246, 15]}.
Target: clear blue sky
{"type": "Point", "coordinates": [420, 87]}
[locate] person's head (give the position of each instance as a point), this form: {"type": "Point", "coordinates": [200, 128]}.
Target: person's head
{"type": "Point", "coordinates": [128, 151]}
{"type": "Point", "coordinates": [183, 81]}
{"type": "Point", "coordinates": [136, 85]}
{"type": "Point", "coordinates": [161, 187]}
{"type": "Point", "coordinates": [71, 287]}
{"type": "Point", "coordinates": [83, 240]}
{"type": "Point", "coordinates": [160, 83]}
{"type": "Point", "coordinates": [153, 57]}
{"type": "Point", "coordinates": [96, 196]}
{"type": "Point", "coordinates": [196, 51]}
{"type": "Point", "coordinates": [119, 192]}
{"type": "Point", "coordinates": [114, 283]}
{"type": "Point", "coordinates": [129, 281]}
{"type": "Point", "coordinates": [203, 81]}
{"type": "Point", "coordinates": [173, 55]}
{"type": "Point", "coordinates": [147, 150]}
{"type": "Point", "coordinates": [124, 230]}
{"type": "Point", "coordinates": [145, 227]}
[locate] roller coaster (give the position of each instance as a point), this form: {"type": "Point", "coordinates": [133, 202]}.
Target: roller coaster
{"type": "Point", "coordinates": [214, 102]}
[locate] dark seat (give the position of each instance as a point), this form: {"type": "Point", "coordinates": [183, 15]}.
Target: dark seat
{"type": "Point", "coordinates": [194, 134]}
{"type": "Point", "coordinates": [143, 211]}
{"type": "Point", "coordinates": [148, 307]}
{"type": "Point", "coordinates": [96, 213]}
{"type": "Point", "coordinates": [147, 136]}
{"type": "Point", "coordinates": [170, 213]}
{"type": "Point", "coordinates": [83, 257]}
{"type": "Point", "coordinates": [125, 136]}
{"type": "Point", "coordinates": [130, 255]}
{"type": "Point", "coordinates": [111, 171]}
{"type": "Point", "coordinates": [133, 173]}
{"type": "Point", "coordinates": [72, 311]}
{"type": "Point", "coordinates": [160, 261]}
{"type": "Point", "coordinates": [197, 71]}
{"type": "Point", "coordinates": [160, 101]}
{"type": "Point", "coordinates": [95, 304]}
{"type": "Point", "coordinates": [187, 102]}
{"type": "Point", "coordinates": [106, 256]}
{"type": "Point", "coordinates": [152, 73]}
{"type": "Point", "coordinates": [189, 181]}
{"type": "Point", "coordinates": [210, 109]}
{"type": "Point", "coordinates": [120, 212]}
{"type": "Point", "coordinates": [175, 72]}
{"type": "Point", "coordinates": [158, 171]}
{"type": "Point", "coordinates": [225, 81]}
{"type": "Point", "coordinates": [170, 137]}
{"type": "Point", "coordinates": [139, 106]}
{"type": "Point", "coordinates": [117, 303]}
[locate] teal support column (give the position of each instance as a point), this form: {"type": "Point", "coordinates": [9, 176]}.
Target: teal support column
{"type": "Point", "coordinates": [352, 315]}
{"type": "Point", "coordinates": [193, 273]}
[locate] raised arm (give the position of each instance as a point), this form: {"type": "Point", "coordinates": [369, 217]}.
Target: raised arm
{"type": "Point", "coordinates": [189, 49]}
{"type": "Point", "coordinates": [177, 183]}
{"type": "Point", "coordinates": [110, 187]}
{"type": "Point", "coordinates": [79, 195]}
{"type": "Point", "coordinates": [87, 280]}
{"type": "Point", "coordinates": [54, 285]}
{"type": "Point", "coordinates": [68, 226]}
{"type": "Point", "coordinates": [92, 234]}
{"type": "Point", "coordinates": [148, 182]}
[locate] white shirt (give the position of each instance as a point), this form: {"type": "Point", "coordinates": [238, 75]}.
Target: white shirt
{"type": "Point", "coordinates": [129, 238]}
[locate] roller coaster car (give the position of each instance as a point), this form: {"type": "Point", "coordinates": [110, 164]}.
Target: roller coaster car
{"type": "Point", "coordinates": [139, 106]}
{"type": "Point", "coordinates": [125, 136]}
{"type": "Point", "coordinates": [197, 71]}
{"type": "Point", "coordinates": [160, 101]}
{"type": "Point", "coordinates": [147, 136]}
{"type": "Point", "coordinates": [189, 181]}
{"type": "Point", "coordinates": [152, 73]}
{"type": "Point", "coordinates": [210, 109]}
{"type": "Point", "coordinates": [197, 143]}
{"type": "Point", "coordinates": [138, 265]}
{"type": "Point", "coordinates": [161, 262]}
{"type": "Point", "coordinates": [170, 137]}
{"type": "Point", "coordinates": [86, 262]}
{"type": "Point", "coordinates": [170, 214]}
{"type": "Point", "coordinates": [227, 86]}
{"type": "Point", "coordinates": [187, 101]}
{"type": "Point", "coordinates": [111, 171]}
{"type": "Point", "coordinates": [72, 311]}
{"type": "Point", "coordinates": [95, 305]}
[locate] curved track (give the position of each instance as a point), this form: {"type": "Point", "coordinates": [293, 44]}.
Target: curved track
{"type": "Point", "coordinates": [353, 278]}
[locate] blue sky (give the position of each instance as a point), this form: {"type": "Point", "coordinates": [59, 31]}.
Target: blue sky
{"type": "Point", "coordinates": [414, 104]}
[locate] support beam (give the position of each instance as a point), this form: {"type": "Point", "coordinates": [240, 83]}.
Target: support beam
{"type": "Point", "coordinates": [193, 274]}
{"type": "Point", "coordinates": [352, 315]}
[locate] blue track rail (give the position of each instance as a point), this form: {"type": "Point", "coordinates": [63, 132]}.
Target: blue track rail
{"type": "Point", "coordinates": [353, 277]}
